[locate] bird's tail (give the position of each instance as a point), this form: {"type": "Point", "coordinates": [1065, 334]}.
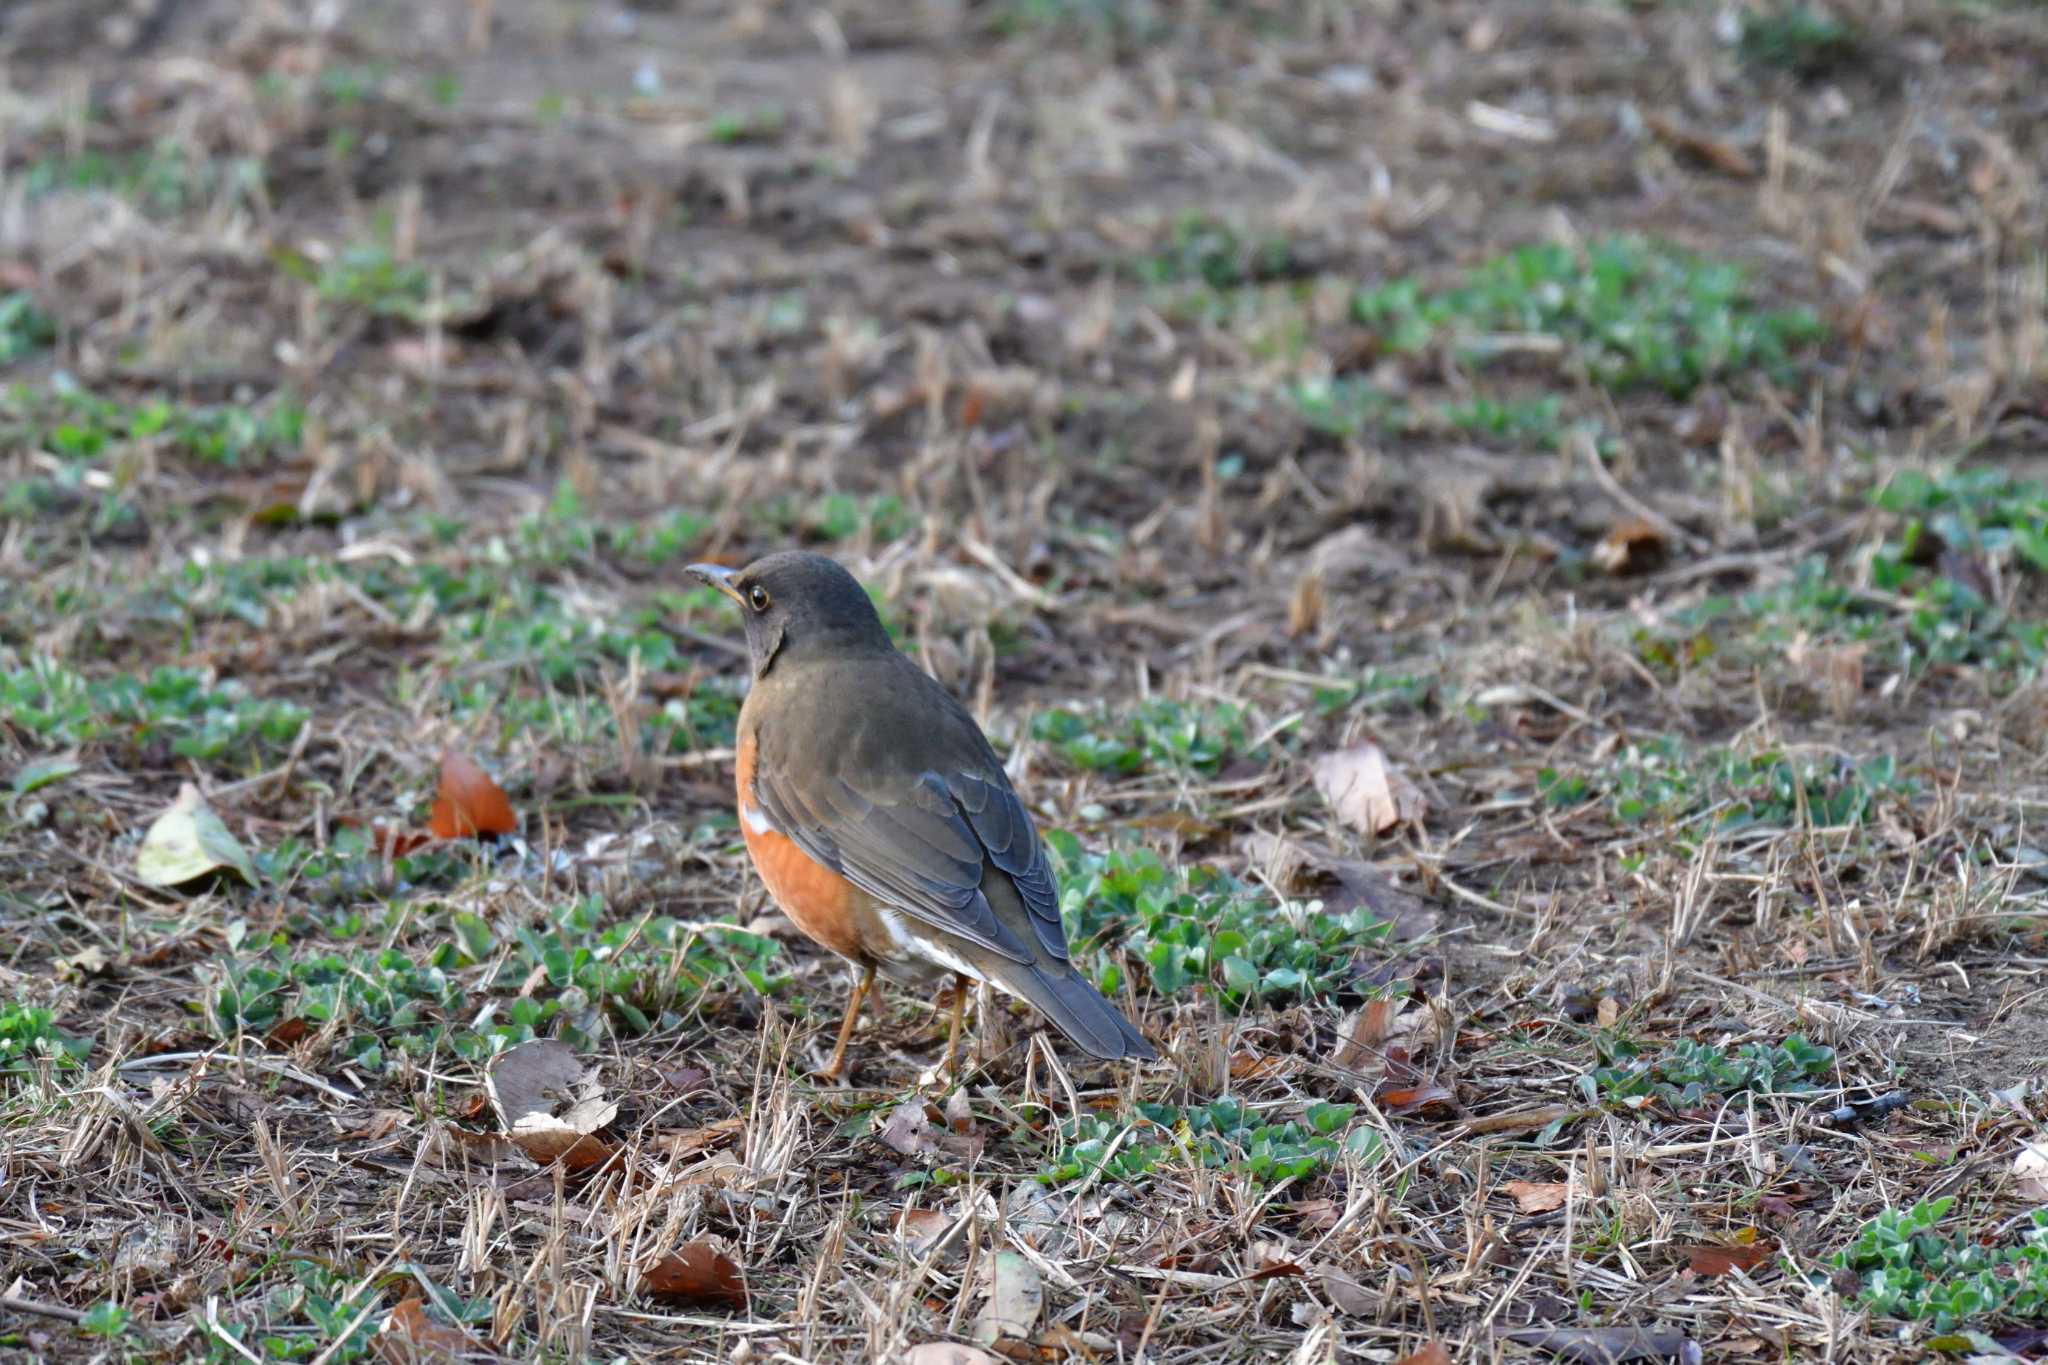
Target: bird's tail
{"type": "Point", "coordinates": [1064, 995]}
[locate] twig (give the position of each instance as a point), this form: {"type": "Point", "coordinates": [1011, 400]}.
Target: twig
{"type": "Point", "coordinates": [41, 1310]}
{"type": "Point", "coordinates": [1603, 476]}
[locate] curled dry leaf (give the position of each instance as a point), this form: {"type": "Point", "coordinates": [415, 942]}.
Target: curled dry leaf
{"type": "Point", "coordinates": [409, 1334]}
{"type": "Point", "coordinates": [551, 1103]}
{"type": "Point", "coordinates": [1366, 792]}
{"type": "Point", "coordinates": [1633, 546]}
{"type": "Point", "coordinates": [188, 842]}
{"type": "Point", "coordinates": [2030, 1171]}
{"type": "Point", "coordinates": [697, 1272]}
{"type": "Point", "coordinates": [468, 801]}
{"type": "Point", "coordinates": [1428, 1100]}
{"type": "Point", "coordinates": [1537, 1196]}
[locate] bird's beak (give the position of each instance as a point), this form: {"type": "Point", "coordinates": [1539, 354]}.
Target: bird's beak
{"type": "Point", "coordinates": [717, 576]}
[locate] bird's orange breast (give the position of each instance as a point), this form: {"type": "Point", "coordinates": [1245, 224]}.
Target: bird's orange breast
{"type": "Point", "coordinates": [831, 911]}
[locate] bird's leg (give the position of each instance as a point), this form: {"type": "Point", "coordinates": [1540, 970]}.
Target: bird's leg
{"type": "Point", "coordinates": [861, 990]}
{"type": "Point", "coordinates": [953, 1033]}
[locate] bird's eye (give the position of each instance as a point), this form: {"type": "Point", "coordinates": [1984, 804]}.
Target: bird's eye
{"type": "Point", "coordinates": [757, 598]}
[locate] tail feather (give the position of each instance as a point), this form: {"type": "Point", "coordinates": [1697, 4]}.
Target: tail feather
{"type": "Point", "coordinates": [1065, 997]}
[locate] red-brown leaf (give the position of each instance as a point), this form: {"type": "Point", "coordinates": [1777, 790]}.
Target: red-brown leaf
{"type": "Point", "coordinates": [1432, 1354]}
{"type": "Point", "coordinates": [469, 803]}
{"type": "Point", "coordinates": [1723, 1260]}
{"type": "Point", "coordinates": [1431, 1100]}
{"type": "Point", "coordinates": [697, 1272]}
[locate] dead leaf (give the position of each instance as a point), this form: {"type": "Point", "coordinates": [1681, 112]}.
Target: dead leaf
{"type": "Point", "coordinates": [1016, 1296]}
{"type": "Point", "coordinates": [1711, 151]}
{"type": "Point", "coordinates": [151, 1252]}
{"type": "Point", "coordinates": [1633, 546]}
{"type": "Point", "coordinates": [1366, 792]}
{"type": "Point", "coordinates": [959, 1114]}
{"type": "Point", "coordinates": [377, 1126]}
{"type": "Point", "coordinates": [1432, 1353]}
{"type": "Point", "coordinates": [1431, 1100]}
{"type": "Point", "coordinates": [1350, 1297]}
{"type": "Point", "coordinates": [551, 1103]}
{"type": "Point", "coordinates": [2030, 1168]}
{"type": "Point", "coordinates": [1362, 1041]}
{"type": "Point", "coordinates": [923, 1229]}
{"type": "Point", "coordinates": [409, 1334]}
{"type": "Point", "coordinates": [1711, 1259]}
{"type": "Point", "coordinates": [697, 1272]}
{"type": "Point", "coordinates": [391, 842]}
{"type": "Point", "coordinates": [702, 1139]}
{"type": "Point", "coordinates": [1537, 1196]}
{"type": "Point", "coordinates": [1318, 1215]}
{"type": "Point", "coordinates": [287, 1032]}
{"type": "Point", "coordinates": [188, 842]}
{"type": "Point", "coordinates": [469, 802]}
{"type": "Point", "coordinates": [1610, 1345]}
{"type": "Point", "coordinates": [89, 961]}
{"type": "Point", "coordinates": [1251, 1066]}
{"type": "Point", "coordinates": [1305, 607]}
{"type": "Point", "coordinates": [907, 1131]}
{"type": "Point", "coordinates": [949, 1353]}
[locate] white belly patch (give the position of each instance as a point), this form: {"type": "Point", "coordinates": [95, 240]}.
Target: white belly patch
{"type": "Point", "coordinates": [915, 951]}
{"type": "Point", "coordinates": [757, 819]}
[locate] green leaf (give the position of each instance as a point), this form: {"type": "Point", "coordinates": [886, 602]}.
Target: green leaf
{"type": "Point", "coordinates": [1239, 975]}
{"type": "Point", "coordinates": [42, 772]}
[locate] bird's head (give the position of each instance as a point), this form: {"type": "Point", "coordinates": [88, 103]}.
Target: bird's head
{"type": "Point", "coordinates": [798, 605]}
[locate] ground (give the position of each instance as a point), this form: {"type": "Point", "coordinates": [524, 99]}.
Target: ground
{"type": "Point", "coordinates": [1498, 540]}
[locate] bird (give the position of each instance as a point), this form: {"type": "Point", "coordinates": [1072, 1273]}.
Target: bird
{"type": "Point", "coordinates": [880, 819]}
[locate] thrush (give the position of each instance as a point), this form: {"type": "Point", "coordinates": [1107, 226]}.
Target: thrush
{"type": "Point", "coordinates": [881, 821]}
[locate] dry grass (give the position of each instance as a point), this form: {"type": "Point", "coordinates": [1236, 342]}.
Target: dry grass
{"type": "Point", "coordinates": [466, 325]}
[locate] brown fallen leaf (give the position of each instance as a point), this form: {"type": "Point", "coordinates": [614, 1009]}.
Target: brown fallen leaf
{"type": "Point", "coordinates": [1429, 1100]}
{"type": "Point", "coordinates": [1522, 1120]}
{"type": "Point", "coordinates": [1534, 1196]}
{"type": "Point", "coordinates": [1252, 1066]}
{"type": "Point", "coordinates": [1633, 546]}
{"type": "Point", "coordinates": [1431, 1354]}
{"type": "Point", "coordinates": [408, 1334]}
{"type": "Point", "coordinates": [287, 1032]}
{"type": "Point", "coordinates": [1366, 792]}
{"type": "Point", "coordinates": [377, 1126]}
{"type": "Point", "coordinates": [906, 1130]}
{"type": "Point", "coordinates": [468, 801]}
{"type": "Point", "coordinates": [1710, 151]}
{"type": "Point", "coordinates": [551, 1103]}
{"type": "Point", "coordinates": [923, 1229]}
{"type": "Point", "coordinates": [697, 1272]}
{"type": "Point", "coordinates": [1711, 1259]}
{"type": "Point", "coordinates": [1350, 1297]}
{"type": "Point", "coordinates": [701, 1139]}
